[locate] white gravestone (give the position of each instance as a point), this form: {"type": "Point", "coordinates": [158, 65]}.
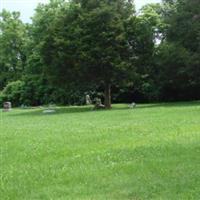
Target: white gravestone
{"type": "Point", "coordinates": [88, 100]}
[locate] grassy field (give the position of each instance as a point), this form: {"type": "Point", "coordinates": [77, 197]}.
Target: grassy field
{"type": "Point", "coordinates": [151, 152]}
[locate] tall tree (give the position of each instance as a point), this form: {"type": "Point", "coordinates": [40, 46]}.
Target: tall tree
{"type": "Point", "coordinates": [179, 54]}
{"type": "Point", "coordinates": [85, 42]}
{"type": "Point", "coordinates": [105, 51]}
{"type": "Point", "coordinates": [54, 38]}
{"type": "Point", "coordinates": [145, 31]}
{"type": "Point", "coordinates": [12, 42]}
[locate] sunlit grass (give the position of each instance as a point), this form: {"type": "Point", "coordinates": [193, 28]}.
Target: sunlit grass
{"type": "Point", "coordinates": [151, 152]}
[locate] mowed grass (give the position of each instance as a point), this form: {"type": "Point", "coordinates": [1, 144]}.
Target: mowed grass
{"type": "Point", "coordinates": [151, 152]}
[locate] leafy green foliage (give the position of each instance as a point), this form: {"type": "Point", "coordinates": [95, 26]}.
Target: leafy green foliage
{"type": "Point", "coordinates": [34, 91]}
{"type": "Point", "coordinates": [80, 46]}
{"type": "Point", "coordinates": [12, 92]}
{"type": "Point", "coordinates": [179, 55]}
{"type": "Point", "coordinates": [104, 45]}
{"type": "Point", "coordinates": [12, 43]}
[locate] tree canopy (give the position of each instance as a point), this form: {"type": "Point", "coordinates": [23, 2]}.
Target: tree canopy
{"type": "Point", "coordinates": [88, 46]}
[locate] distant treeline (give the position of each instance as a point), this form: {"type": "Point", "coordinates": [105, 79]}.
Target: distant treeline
{"type": "Point", "coordinates": [101, 48]}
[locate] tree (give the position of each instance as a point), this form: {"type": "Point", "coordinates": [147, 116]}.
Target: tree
{"type": "Point", "coordinates": [12, 41]}
{"type": "Point", "coordinates": [179, 55]}
{"type": "Point", "coordinates": [145, 31]}
{"type": "Point", "coordinates": [85, 42]}
{"type": "Point", "coordinates": [105, 51]}
{"type": "Point", "coordinates": [53, 38]}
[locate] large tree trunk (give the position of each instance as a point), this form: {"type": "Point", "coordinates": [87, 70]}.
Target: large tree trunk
{"type": "Point", "coordinates": [107, 96]}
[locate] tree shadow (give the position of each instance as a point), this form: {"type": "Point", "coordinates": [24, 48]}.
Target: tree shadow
{"type": "Point", "coordinates": [171, 104]}
{"type": "Point", "coordinates": [58, 110]}
{"type": "Point", "coordinates": [84, 109]}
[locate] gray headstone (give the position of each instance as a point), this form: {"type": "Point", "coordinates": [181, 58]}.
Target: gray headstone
{"type": "Point", "coordinates": [7, 106]}
{"type": "Point", "coordinates": [132, 105]}
{"type": "Point", "coordinates": [48, 111]}
{"type": "Point", "coordinates": [88, 100]}
{"type": "Point", "coordinates": [98, 104]}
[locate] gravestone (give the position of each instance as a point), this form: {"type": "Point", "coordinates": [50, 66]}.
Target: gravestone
{"type": "Point", "coordinates": [98, 104]}
{"type": "Point", "coordinates": [132, 105]}
{"type": "Point", "coordinates": [7, 106]}
{"type": "Point", "coordinates": [88, 100]}
{"type": "Point", "coordinates": [48, 111]}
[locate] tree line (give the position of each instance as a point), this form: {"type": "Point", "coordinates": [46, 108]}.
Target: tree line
{"type": "Point", "coordinates": [103, 48]}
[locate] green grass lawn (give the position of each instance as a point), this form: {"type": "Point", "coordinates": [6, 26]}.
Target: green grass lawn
{"type": "Point", "coordinates": [151, 152]}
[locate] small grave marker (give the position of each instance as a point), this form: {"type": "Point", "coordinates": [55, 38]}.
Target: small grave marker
{"type": "Point", "coordinates": [7, 106]}
{"type": "Point", "coordinates": [132, 105]}
{"type": "Point", "coordinates": [88, 100]}
{"type": "Point", "coordinates": [49, 111]}
{"type": "Point", "coordinates": [98, 104]}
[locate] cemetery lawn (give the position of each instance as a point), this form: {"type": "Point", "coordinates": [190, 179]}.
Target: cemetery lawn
{"type": "Point", "coordinates": [150, 152]}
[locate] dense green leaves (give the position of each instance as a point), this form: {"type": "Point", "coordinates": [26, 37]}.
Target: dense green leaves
{"type": "Point", "coordinates": [104, 43]}
{"type": "Point", "coordinates": [80, 46]}
{"type": "Point", "coordinates": [179, 55]}
{"type": "Point", "coordinates": [12, 44]}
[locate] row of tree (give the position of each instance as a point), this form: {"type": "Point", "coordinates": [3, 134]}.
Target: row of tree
{"type": "Point", "coordinates": [88, 46]}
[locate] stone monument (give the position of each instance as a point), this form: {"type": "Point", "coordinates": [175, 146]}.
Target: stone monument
{"type": "Point", "coordinates": [132, 105]}
{"type": "Point", "coordinates": [88, 100]}
{"type": "Point", "coordinates": [98, 104]}
{"type": "Point", "coordinates": [7, 106]}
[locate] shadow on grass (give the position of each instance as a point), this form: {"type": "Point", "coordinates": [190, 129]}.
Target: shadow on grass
{"type": "Point", "coordinates": [171, 104]}
{"type": "Point", "coordinates": [63, 110]}
{"type": "Point", "coordinates": [83, 109]}
{"type": "Point", "coordinates": [59, 110]}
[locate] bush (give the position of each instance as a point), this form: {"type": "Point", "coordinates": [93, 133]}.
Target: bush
{"type": "Point", "coordinates": [34, 91]}
{"type": "Point", "coordinates": [12, 92]}
{"type": "Point", "coordinates": [2, 97]}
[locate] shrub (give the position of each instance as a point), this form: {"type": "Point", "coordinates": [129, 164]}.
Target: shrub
{"type": "Point", "coordinates": [12, 92]}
